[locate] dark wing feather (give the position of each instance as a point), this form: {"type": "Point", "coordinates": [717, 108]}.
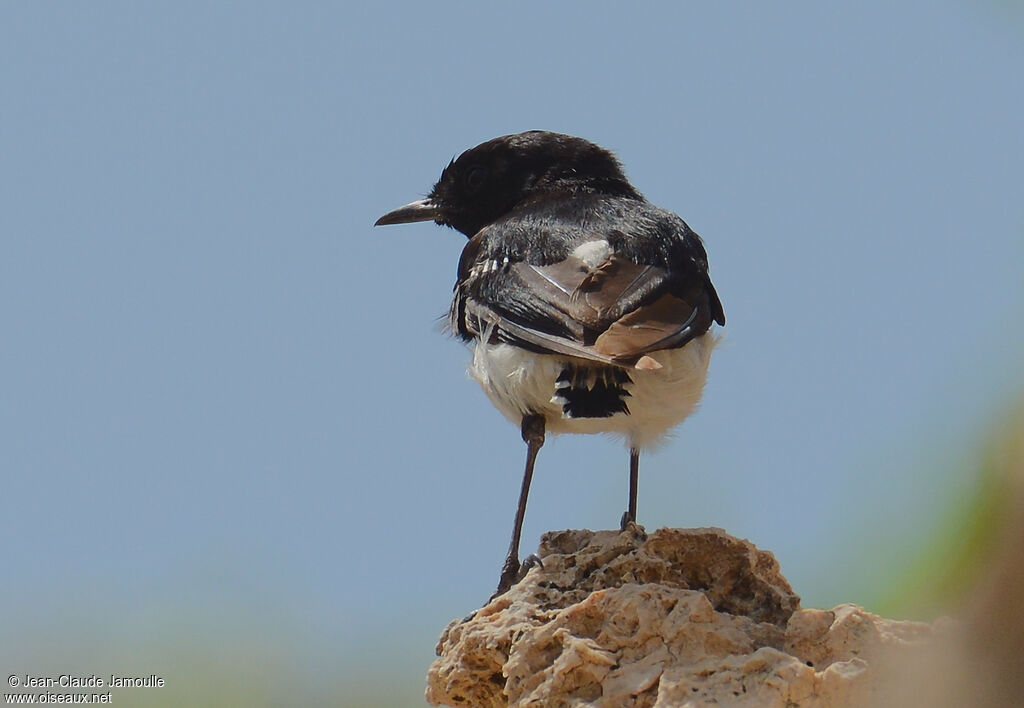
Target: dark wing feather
{"type": "Point", "coordinates": [615, 312]}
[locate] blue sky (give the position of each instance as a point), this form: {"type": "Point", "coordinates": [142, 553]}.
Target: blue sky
{"type": "Point", "coordinates": [223, 394]}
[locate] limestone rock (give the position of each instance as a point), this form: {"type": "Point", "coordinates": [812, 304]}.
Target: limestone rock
{"type": "Point", "coordinates": [678, 618]}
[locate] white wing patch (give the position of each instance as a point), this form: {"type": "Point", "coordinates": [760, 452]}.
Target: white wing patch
{"type": "Point", "coordinates": [593, 253]}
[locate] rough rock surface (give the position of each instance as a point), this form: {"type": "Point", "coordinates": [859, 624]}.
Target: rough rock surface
{"type": "Point", "coordinates": [683, 617]}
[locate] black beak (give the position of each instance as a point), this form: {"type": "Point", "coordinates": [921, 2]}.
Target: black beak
{"type": "Point", "coordinates": [422, 210]}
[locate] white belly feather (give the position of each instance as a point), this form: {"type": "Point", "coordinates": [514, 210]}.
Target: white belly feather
{"type": "Point", "coordinates": [520, 382]}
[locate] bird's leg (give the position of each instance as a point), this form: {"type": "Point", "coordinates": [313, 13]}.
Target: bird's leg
{"type": "Point", "coordinates": [533, 436]}
{"type": "Point", "coordinates": [634, 472]}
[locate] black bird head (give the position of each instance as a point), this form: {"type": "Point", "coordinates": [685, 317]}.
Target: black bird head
{"type": "Point", "coordinates": [499, 175]}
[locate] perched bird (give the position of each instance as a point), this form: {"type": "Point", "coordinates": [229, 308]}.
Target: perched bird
{"type": "Point", "coordinates": [588, 308]}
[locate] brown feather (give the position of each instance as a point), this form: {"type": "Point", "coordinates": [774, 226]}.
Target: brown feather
{"type": "Point", "coordinates": [587, 295]}
{"type": "Point", "coordinates": [646, 328]}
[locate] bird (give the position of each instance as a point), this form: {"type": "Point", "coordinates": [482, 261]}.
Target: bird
{"type": "Point", "coordinates": [588, 309]}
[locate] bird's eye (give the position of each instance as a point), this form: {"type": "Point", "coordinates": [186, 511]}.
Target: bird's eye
{"type": "Point", "coordinates": [475, 178]}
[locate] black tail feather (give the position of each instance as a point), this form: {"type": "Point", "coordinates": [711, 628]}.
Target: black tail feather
{"type": "Point", "coordinates": [592, 391]}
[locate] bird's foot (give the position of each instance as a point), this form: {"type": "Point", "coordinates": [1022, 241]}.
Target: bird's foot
{"type": "Point", "coordinates": [513, 571]}
{"type": "Point", "coordinates": [509, 576]}
{"type": "Point", "coordinates": [531, 561]}
{"type": "Point", "coordinates": [626, 520]}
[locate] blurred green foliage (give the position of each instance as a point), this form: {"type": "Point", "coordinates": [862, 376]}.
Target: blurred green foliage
{"type": "Point", "coordinates": [968, 538]}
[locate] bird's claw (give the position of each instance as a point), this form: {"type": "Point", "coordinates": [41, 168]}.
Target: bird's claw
{"type": "Point", "coordinates": [509, 576]}
{"type": "Point", "coordinates": [513, 571]}
{"type": "Point", "coordinates": [626, 520]}
{"type": "Point", "coordinates": [531, 561]}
